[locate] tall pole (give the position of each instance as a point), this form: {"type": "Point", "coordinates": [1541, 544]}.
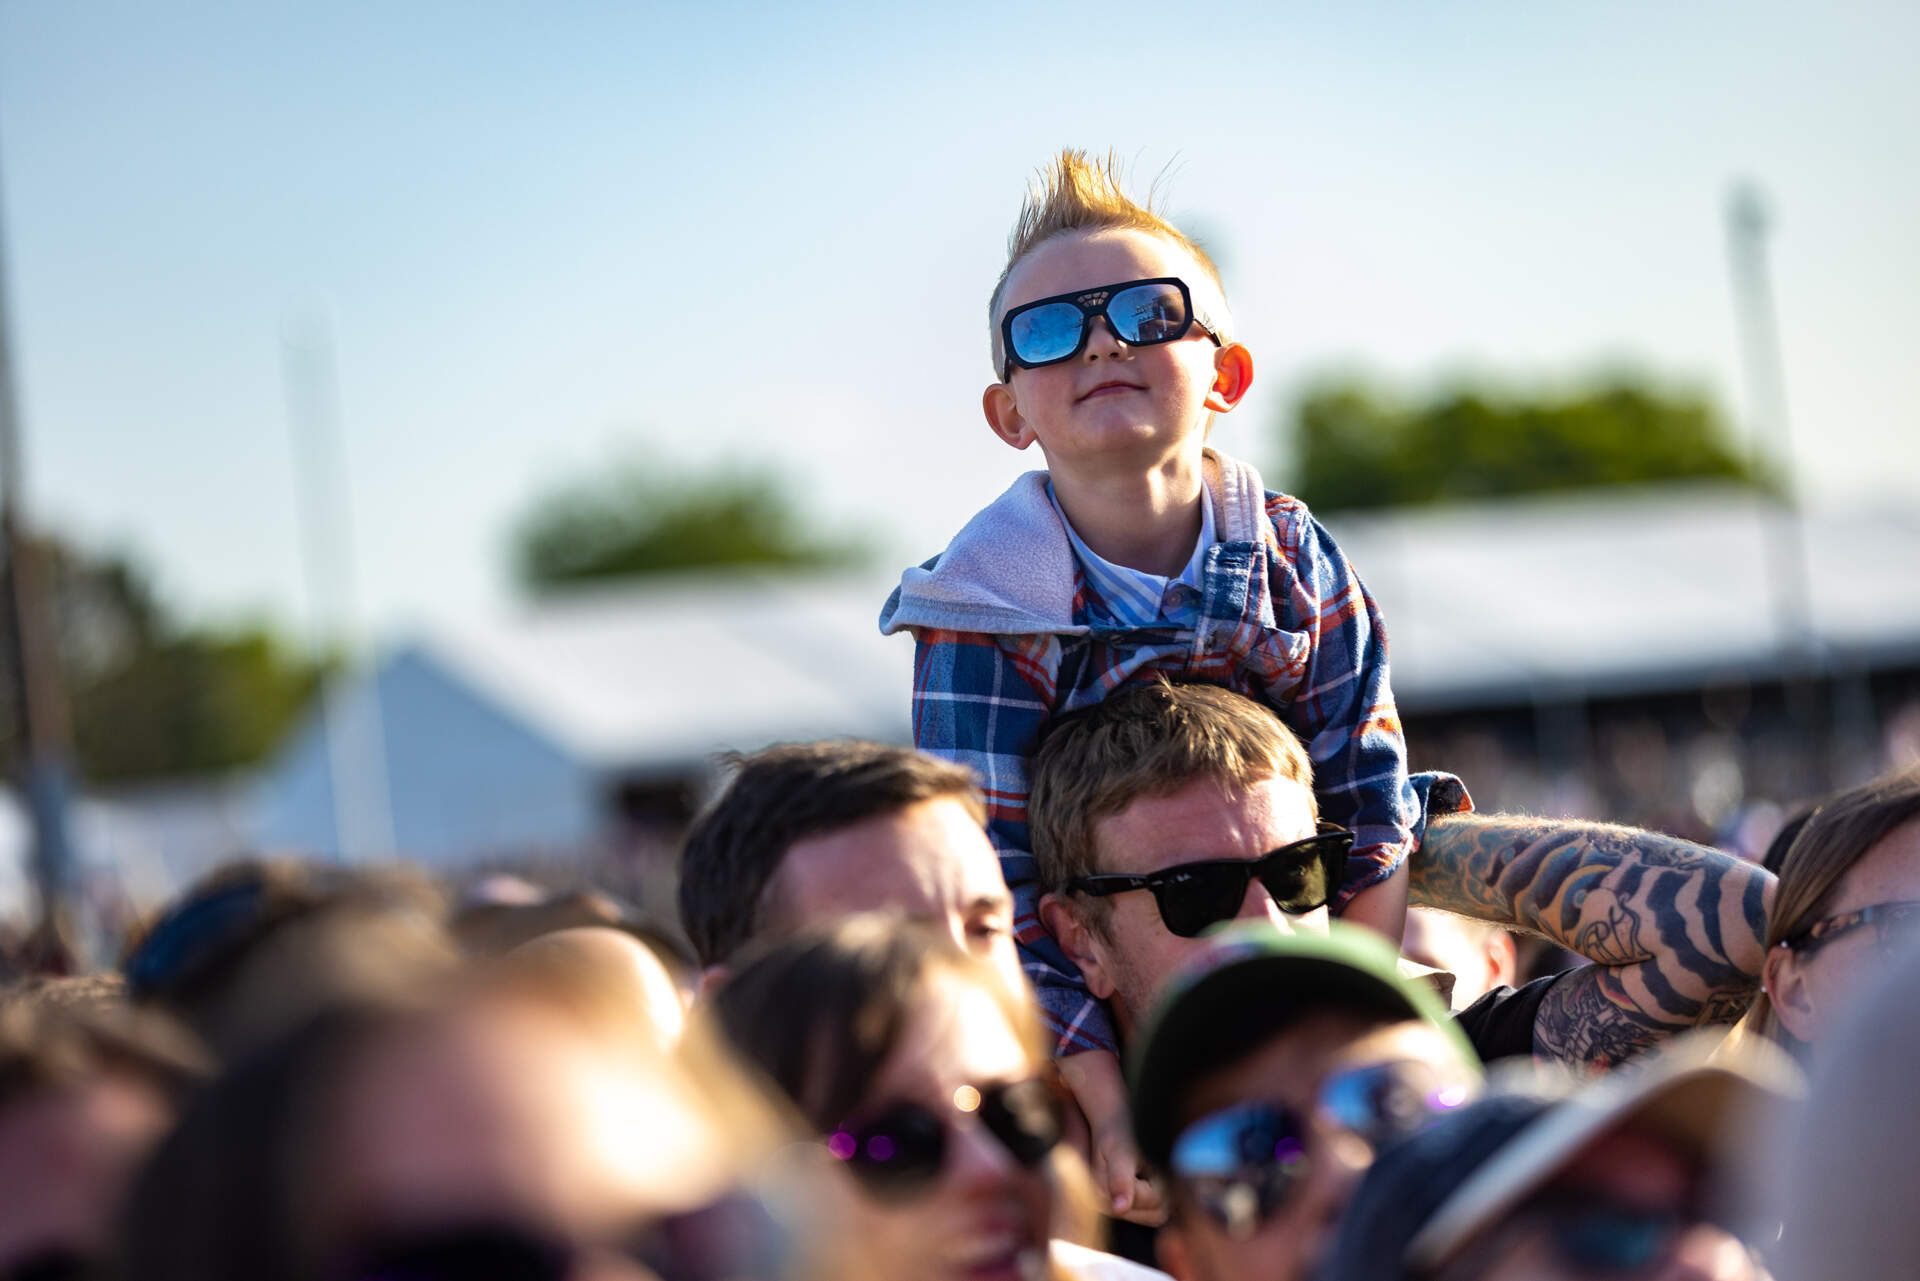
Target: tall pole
{"type": "Point", "coordinates": [1789, 583]}
{"type": "Point", "coordinates": [45, 738]}
{"type": "Point", "coordinates": [355, 735]}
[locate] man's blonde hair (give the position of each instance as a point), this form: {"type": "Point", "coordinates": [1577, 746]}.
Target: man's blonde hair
{"type": "Point", "coordinates": [1148, 741]}
{"type": "Point", "coordinates": [1076, 192]}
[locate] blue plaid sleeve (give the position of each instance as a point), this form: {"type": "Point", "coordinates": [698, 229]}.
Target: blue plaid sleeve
{"type": "Point", "coordinates": [981, 701]}
{"type": "Point", "coordinates": [1343, 708]}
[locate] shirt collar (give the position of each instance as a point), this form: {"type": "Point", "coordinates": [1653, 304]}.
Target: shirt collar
{"type": "Point", "coordinates": [1135, 595]}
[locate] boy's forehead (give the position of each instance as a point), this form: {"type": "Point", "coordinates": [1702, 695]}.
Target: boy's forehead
{"type": "Point", "coordinates": [1085, 259]}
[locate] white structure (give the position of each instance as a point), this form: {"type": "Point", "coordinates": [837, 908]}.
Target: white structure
{"type": "Point", "coordinates": [513, 735]}
{"type": "Point", "coordinates": [1625, 592]}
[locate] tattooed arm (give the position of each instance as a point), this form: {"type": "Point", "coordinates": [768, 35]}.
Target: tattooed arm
{"type": "Point", "coordinates": [1675, 930]}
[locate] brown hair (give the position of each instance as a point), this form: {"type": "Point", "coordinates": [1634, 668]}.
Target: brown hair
{"type": "Point", "coordinates": [47, 1043]}
{"type": "Point", "coordinates": [258, 945]}
{"type": "Point", "coordinates": [1148, 741]}
{"type": "Point", "coordinates": [784, 795]}
{"type": "Point", "coordinates": [820, 1013]}
{"type": "Point", "coordinates": [1836, 836]}
{"type": "Point", "coordinates": [1075, 192]}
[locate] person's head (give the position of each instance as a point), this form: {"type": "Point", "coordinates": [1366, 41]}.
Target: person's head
{"type": "Point", "coordinates": [927, 1079]}
{"type": "Point", "coordinates": [1274, 1067]}
{"type": "Point", "coordinates": [498, 1129]}
{"type": "Point", "coordinates": [1849, 892]}
{"type": "Point", "coordinates": [608, 975]}
{"type": "Point", "coordinates": [1163, 777]}
{"type": "Point", "coordinates": [1480, 956]}
{"type": "Point", "coordinates": [257, 947]}
{"type": "Point", "coordinates": [1104, 377]}
{"type": "Point", "coordinates": [86, 1089]}
{"type": "Point", "coordinates": [806, 833]}
{"type": "Point", "coordinates": [1842, 1180]}
{"type": "Point", "coordinates": [1623, 1177]}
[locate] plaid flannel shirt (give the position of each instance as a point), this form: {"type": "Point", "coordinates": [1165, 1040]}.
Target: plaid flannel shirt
{"type": "Point", "coordinates": [1283, 619]}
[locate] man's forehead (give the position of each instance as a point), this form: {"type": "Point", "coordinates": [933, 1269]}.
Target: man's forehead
{"type": "Point", "coordinates": [1206, 818]}
{"type": "Point", "coordinates": [923, 861]}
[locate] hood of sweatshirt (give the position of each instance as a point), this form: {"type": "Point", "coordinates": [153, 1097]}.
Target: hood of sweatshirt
{"type": "Point", "coordinates": [1011, 571]}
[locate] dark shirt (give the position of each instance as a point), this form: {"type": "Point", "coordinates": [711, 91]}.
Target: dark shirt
{"type": "Point", "coordinates": [1500, 1024]}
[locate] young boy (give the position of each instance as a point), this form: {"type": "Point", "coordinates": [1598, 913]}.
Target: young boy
{"type": "Point", "coordinates": [1138, 551]}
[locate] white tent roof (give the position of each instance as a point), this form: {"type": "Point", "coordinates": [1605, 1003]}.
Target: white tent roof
{"type": "Point", "coordinates": [1628, 591]}
{"type": "Point", "coordinates": [676, 669]}
{"type": "Point", "coordinates": [1613, 592]}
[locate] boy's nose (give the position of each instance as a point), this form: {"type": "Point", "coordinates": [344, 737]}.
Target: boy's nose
{"type": "Point", "coordinates": [1102, 341]}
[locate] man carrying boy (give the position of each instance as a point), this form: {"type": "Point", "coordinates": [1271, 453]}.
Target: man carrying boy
{"type": "Point", "coordinates": [1139, 551]}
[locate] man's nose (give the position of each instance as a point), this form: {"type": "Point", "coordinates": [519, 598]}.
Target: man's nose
{"type": "Point", "coordinates": [1258, 905]}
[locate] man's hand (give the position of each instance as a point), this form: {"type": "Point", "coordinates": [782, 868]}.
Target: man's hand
{"type": "Point", "coordinates": [1119, 1175]}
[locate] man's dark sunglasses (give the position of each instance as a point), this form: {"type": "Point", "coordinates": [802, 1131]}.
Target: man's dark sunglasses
{"type": "Point", "coordinates": [733, 1239]}
{"type": "Point", "coordinates": [901, 1151]}
{"type": "Point", "coordinates": [1141, 313]}
{"type": "Point", "coordinates": [1193, 896]}
{"type": "Point", "coordinates": [1893, 924]}
{"type": "Point", "coordinates": [1243, 1164]}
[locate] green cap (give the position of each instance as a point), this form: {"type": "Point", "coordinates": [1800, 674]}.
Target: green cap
{"type": "Point", "coordinates": [1249, 983]}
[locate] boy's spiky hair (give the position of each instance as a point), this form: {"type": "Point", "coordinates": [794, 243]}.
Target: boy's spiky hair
{"type": "Point", "coordinates": [1077, 192]}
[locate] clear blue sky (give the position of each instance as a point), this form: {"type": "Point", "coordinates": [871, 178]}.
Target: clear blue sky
{"type": "Point", "coordinates": [546, 234]}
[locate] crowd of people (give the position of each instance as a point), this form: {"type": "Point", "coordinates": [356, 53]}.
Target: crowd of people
{"type": "Point", "coordinates": [306, 1071]}
{"type": "Point", "coordinates": [1151, 957]}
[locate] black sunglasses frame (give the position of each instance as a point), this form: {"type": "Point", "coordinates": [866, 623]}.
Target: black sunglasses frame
{"type": "Point", "coordinates": [1095, 303]}
{"type": "Point", "coordinates": [1892, 921]}
{"type": "Point", "coordinates": [917, 1137]}
{"type": "Point", "coordinates": [1329, 845]}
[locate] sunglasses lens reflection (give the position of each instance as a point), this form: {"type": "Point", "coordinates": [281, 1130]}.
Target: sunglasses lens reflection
{"type": "Point", "coordinates": [1047, 333]}
{"type": "Point", "coordinates": [899, 1151]}
{"type": "Point", "coordinates": [1147, 314]}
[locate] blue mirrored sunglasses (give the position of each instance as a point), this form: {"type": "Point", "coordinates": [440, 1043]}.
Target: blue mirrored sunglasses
{"type": "Point", "coordinates": [1141, 313]}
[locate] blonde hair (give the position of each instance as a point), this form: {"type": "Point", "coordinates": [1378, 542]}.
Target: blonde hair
{"type": "Point", "coordinates": [1836, 836]}
{"type": "Point", "coordinates": [1076, 192]}
{"type": "Point", "coordinates": [1148, 741]}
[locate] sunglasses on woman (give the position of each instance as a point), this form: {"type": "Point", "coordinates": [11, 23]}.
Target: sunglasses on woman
{"type": "Point", "coordinates": [901, 1150]}
{"type": "Point", "coordinates": [1893, 925]}
{"type": "Point", "coordinates": [1243, 1164]}
{"type": "Point", "coordinates": [1193, 897]}
{"type": "Point", "coordinates": [733, 1239]}
{"type": "Point", "coordinates": [1141, 313]}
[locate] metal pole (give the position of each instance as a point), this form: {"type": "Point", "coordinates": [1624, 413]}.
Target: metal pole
{"type": "Point", "coordinates": [1789, 582]}
{"type": "Point", "coordinates": [45, 736]}
{"type": "Point", "coordinates": [356, 737]}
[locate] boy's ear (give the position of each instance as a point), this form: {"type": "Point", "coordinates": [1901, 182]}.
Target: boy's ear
{"type": "Point", "coordinates": [1077, 941]}
{"type": "Point", "coordinates": [1003, 415]}
{"type": "Point", "coordinates": [1232, 375]}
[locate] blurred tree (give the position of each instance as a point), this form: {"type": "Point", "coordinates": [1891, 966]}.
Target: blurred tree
{"type": "Point", "coordinates": [640, 519]}
{"type": "Point", "coordinates": [1359, 446]}
{"type": "Point", "coordinates": [150, 698]}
